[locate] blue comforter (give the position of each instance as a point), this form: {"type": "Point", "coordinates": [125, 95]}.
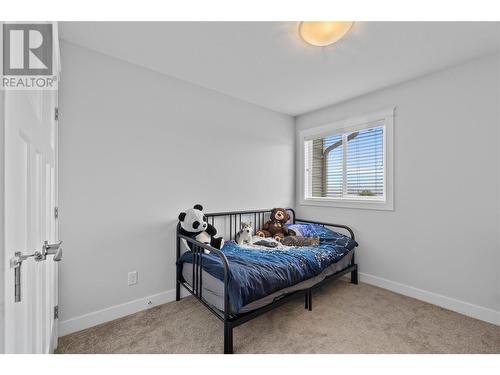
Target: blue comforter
{"type": "Point", "coordinates": [257, 272]}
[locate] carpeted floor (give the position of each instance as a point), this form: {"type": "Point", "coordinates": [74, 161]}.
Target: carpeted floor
{"type": "Point", "coordinates": [345, 319]}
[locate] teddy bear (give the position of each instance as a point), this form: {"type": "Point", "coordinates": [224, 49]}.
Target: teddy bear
{"type": "Point", "coordinates": [194, 225]}
{"type": "Point", "coordinates": [276, 225]}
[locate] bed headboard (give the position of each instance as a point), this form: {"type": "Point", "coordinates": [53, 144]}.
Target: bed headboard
{"type": "Point", "coordinates": [229, 223]}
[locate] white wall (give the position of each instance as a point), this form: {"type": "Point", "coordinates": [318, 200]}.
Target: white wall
{"type": "Point", "coordinates": [136, 148]}
{"type": "Point", "coordinates": [441, 242]}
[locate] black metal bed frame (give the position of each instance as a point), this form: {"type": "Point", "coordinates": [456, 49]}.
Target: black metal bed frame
{"type": "Point", "coordinates": [233, 320]}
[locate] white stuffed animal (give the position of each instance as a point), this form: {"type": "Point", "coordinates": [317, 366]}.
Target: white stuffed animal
{"type": "Point", "coordinates": [245, 234]}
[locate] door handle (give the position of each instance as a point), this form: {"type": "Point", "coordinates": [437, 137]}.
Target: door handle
{"type": "Point", "coordinates": [58, 255]}
{"type": "Point", "coordinates": [52, 249]}
{"type": "Point", "coordinates": [51, 246]}
{"type": "Point", "coordinates": [15, 262]}
{"type": "Point", "coordinates": [19, 258]}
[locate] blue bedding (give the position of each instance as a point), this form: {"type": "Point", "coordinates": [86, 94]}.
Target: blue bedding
{"type": "Point", "coordinates": [256, 272]}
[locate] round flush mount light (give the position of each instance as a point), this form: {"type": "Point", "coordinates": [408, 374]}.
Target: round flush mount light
{"type": "Point", "coordinates": [321, 34]}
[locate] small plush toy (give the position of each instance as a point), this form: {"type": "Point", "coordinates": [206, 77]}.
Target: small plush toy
{"type": "Point", "coordinates": [194, 225]}
{"type": "Point", "coordinates": [298, 241]}
{"type": "Point", "coordinates": [245, 234]}
{"type": "Point", "coordinates": [276, 225]}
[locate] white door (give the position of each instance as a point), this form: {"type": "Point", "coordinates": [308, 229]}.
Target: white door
{"type": "Point", "coordinates": [30, 173]}
{"type": "Point", "coordinates": [30, 202]}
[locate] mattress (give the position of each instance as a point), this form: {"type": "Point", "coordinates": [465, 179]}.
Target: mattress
{"type": "Point", "coordinates": [213, 288]}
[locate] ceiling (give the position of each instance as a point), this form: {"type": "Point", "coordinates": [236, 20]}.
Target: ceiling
{"type": "Point", "coordinates": [265, 63]}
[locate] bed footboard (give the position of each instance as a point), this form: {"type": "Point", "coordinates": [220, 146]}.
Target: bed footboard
{"type": "Point", "coordinates": [354, 273]}
{"type": "Point", "coordinates": [196, 287]}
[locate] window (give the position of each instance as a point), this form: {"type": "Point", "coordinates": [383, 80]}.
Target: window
{"type": "Point", "coordinates": [349, 164]}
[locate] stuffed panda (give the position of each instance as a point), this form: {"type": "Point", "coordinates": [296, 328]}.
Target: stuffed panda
{"type": "Point", "coordinates": [194, 225]}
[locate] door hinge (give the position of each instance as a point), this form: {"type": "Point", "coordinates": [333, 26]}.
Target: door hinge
{"type": "Point", "coordinates": [56, 312]}
{"type": "Point", "coordinates": [56, 113]}
{"type": "Point", "coordinates": [56, 212]}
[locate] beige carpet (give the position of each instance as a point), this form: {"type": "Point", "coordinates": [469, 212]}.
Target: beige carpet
{"type": "Point", "coordinates": [345, 319]}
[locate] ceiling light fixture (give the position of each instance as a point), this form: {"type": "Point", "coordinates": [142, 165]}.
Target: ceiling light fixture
{"type": "Point", "coordinates": [321, 34]}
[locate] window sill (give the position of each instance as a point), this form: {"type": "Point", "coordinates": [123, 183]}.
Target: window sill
{"type": "Point", "coordinates": [349, 203]}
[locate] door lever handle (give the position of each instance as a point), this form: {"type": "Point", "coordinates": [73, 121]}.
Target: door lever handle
{"type": "Point", "coordinates": [19, 258]}
{"type": "Point", "coordinates": [58, 255]}
{"type": "Point", "coordinates": [52, 249]}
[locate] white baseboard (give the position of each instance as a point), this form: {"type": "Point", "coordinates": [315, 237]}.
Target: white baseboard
{"type": "Point", "coordinates": [114, 312]}
{"type": "Point", "coordinates": [465, 308]}
{"type": "Point", "coordinates": [118, 311]}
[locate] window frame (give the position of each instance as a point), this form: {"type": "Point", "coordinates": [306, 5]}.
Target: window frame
{"type": "Point", "coordinates": [346, 126]}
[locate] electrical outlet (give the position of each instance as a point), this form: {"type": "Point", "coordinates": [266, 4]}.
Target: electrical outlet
{"type": "Point", "coordinates": [132, 278]}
